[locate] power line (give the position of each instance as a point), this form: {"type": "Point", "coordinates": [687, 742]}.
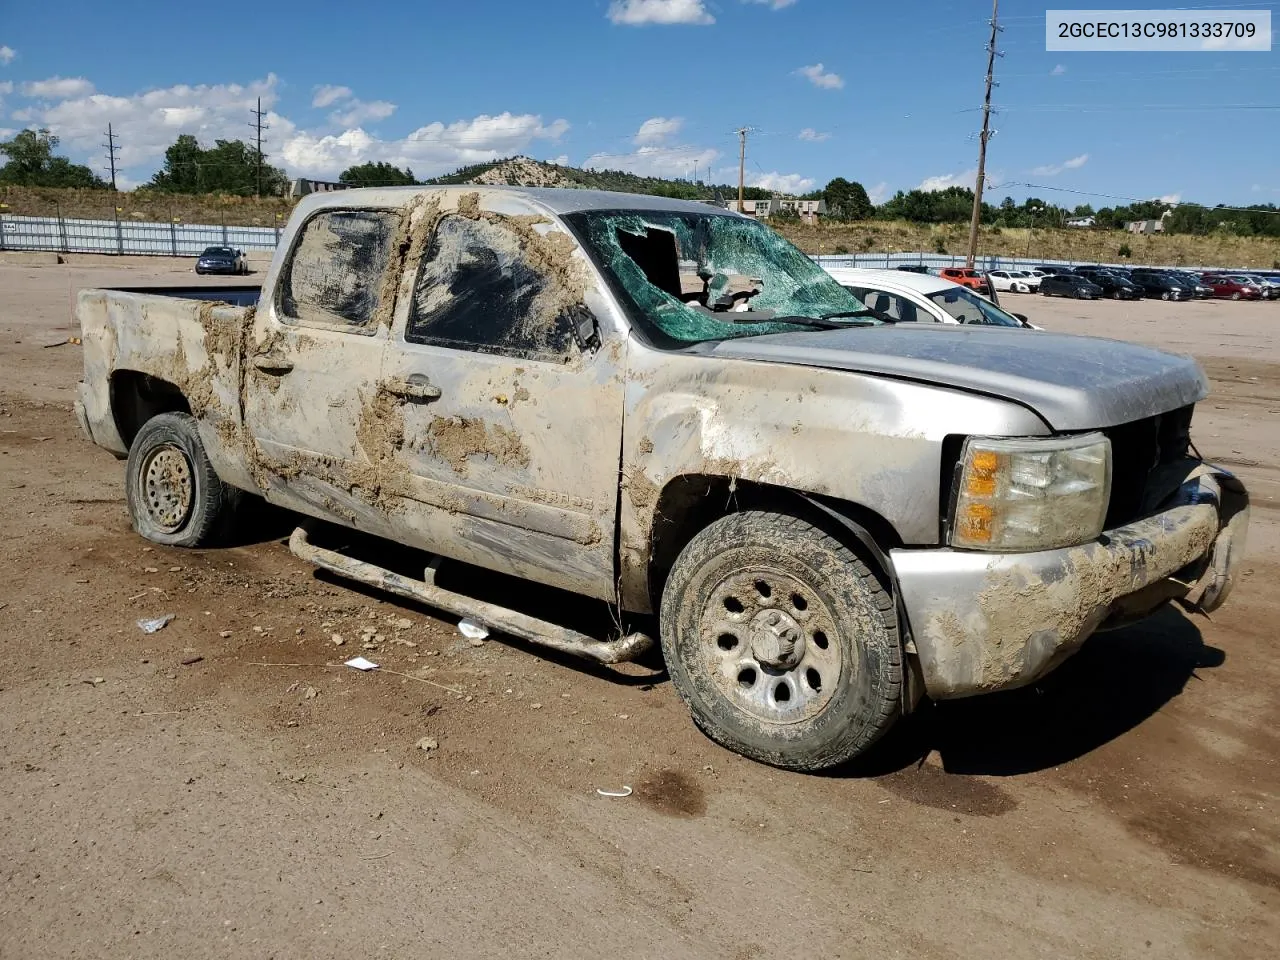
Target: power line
{"type": "Point", "coordinates": [111, 153]}
{"type": "Point", "coordinates": [984, 136]}
{"type": "Point", "coordinates": [1112, 196]}
{"type": "Point", "coordinates": [258, 126]}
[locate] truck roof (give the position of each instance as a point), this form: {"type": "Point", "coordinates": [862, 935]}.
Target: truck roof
{"type": "Point", "coordinates": [554, 200]}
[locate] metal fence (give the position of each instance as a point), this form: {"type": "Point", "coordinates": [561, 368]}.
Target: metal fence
{"type": "Point", "coordinates": [173, 239]}
{"type": "Point", "coordinates": [177, 239]}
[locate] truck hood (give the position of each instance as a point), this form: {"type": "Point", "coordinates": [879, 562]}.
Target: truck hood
{"type": "Point", "coordinates": [1073, 383]}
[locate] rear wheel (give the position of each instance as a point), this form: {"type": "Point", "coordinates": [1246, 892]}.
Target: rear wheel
{"type": "Point", "coordinates": [174, 495]}
{"type": "Point", "coordinates": [781, 642]}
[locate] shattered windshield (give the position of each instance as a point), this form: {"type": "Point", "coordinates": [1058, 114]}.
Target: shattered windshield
{"type": "Point", "coordinates": [692, 277]}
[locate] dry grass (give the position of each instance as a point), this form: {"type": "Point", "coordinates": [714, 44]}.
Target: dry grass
{"type": "Point", "coordinates": [1073, 245]}
{"type": "Point", "coordinates": [869, 237]}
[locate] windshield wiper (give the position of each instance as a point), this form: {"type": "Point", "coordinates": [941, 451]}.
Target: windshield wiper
{"type": "Point", "coordinates": [864, 312]}
{"type": "Point", "coordinates": [825, 322]}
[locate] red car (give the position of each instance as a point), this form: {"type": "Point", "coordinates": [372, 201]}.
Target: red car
{"type": "Point", "coordinates": [1232, 288]}
{"type": "Point", "coordinates": [966, 277]}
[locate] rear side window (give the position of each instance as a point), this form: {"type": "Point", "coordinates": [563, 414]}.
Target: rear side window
{"type": "Point", "coordinates": [477, 290]}
{"type": "Point", "coordinates": [334, 276]}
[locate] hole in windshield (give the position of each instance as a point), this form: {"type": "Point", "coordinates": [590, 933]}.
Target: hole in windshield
{"type": "Point", "coordinates": [691, 277]}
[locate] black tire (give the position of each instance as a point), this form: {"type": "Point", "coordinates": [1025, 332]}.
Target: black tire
{"type": "Point", "coordinates": [1236, 295]}
{"type": "Point", "coordinates": [174, 495]}
{"type": "Point", "coordinates": [844, 690]}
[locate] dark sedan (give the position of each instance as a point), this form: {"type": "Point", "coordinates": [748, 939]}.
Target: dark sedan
{"type": "Point", "coordinates": [1199, 289]}
{"type": "Point", "coordinates": [221, 260]}
{"type": "Point", "coordinates": [1160, 285]}
{"type": "Point", "coordinates": [1069, 285]}
{"type": "Point", "coordinates": [1115, 286]}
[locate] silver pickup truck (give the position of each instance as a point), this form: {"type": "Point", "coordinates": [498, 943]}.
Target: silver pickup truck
{"type": "Point", "coordinates": [665, 406]}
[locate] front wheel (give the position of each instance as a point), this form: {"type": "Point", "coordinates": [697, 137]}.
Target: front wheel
{"type": "Point", "coordinates": [781, 642]}
{"type": "Point", "coordinates": [1164, 295]}
{"type": "Point", "coordinates": [174, 495]}
{"type": "Point", "coordinates": [1235, 296]}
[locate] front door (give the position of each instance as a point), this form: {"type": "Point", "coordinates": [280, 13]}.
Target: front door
{"type": "Point", "coordinates": [511, 408]}
{"type": "Point", "coordinates": [313, 365]}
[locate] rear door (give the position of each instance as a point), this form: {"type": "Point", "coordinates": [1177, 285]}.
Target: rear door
{"type": "Point", "coordinates": [510, 403]}
{"type": "Point", "coordinates": [313, 365]}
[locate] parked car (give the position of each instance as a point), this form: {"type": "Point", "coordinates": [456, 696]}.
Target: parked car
{"type": "Point", "coordinates": [1049, 270]}
{"type": "Point", "coordinates": [1232, 287]}
{"type": "Point", "coordinates": [1269, 288]}
{"type": "Point", "coordinates": [1199, 289]}
{"type": "Point", "coordinates": [221, 260]}
{"type": "Point", "coordinates": [1069, 285]}
{"type": "Point", "coordinates": [912, 268]}
{"type": "Point", "coordinates": [828, 516]}
{"type": "Point", "coordinates": [1014, 281]}
{"type": "Point", "coordinates": [1160, 285]}
{"type": "Point", "coordinates": [1114, 286]}
{"type": "Point", "coordinates": [909, 298]}
{"type": "Point", "coordinates": [966, 277]}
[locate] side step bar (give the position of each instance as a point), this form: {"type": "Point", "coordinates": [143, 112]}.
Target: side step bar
{"type": "Point", "coordinates": [491, 615]}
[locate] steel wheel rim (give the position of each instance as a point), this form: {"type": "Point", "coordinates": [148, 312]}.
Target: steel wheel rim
{"type": "Point", "coordinates": [167, 487]}
{"type": "Point", "coordinates": [769, 644]}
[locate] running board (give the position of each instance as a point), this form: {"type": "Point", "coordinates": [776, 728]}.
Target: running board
{"type": "Point", "coordinates": [490, 615]}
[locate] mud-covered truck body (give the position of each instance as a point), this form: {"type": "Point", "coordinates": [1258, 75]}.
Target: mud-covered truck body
{"type": "Point", "coordinates": [665, 406]}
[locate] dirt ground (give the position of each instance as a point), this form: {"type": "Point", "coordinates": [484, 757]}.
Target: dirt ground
{"type": "Point", "coordinates": [219, 789]}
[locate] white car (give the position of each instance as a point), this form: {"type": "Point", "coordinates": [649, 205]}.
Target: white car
{"type": "Point", "coordinates": [920, 297]}
{"type": "Point", "coordinates": [1014, 281]}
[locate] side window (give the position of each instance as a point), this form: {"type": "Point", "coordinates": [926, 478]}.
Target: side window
{"type": "Point", "coordinates": [892, 305]}
{"type": "Point", "coordinates": [334, 275]}
{"type": "Point", "coordinates": [478, 289]}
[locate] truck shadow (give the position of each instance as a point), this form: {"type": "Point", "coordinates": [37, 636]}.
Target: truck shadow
{"type": "Point", "coordinates": [1116, 681]}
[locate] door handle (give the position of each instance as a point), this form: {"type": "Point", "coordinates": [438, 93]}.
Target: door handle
{"type": "Point", "coordinates": [274, 365]}
{"type": "Point", "coordinates": [416, 386]}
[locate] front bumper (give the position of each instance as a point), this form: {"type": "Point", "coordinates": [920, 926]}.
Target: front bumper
{"type": "Point", "coordinates": [982, 622]}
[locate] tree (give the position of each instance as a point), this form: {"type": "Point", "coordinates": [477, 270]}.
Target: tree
{"type": "Point", "coordinates": [377, 175]}
{"type": "Point", "coordinates": [847, 200]}
{"type": "Point", "coordinates": [229, 166]}
{"type": "Point", "coordinates": [31, 163]}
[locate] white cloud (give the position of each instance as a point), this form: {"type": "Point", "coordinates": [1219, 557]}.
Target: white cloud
{"type": "Point", "coordinates": [357, 112]}
{"type": "Point", "coordinates": [560, 161]}
{"type": "Point", "coordinates": [962, 179]}
{"type": "Point", "coordinates": [435, 148]}
{"type": "Point", "coordinates": [1058, 71]}
{"type": "Point", "coordinates": [820, 77]}
{"type": "Point", "coordinates": [58, 88]}
{"type": "Point", "coordinates": [1171, 198]}
{"type": "Point", "coordinates": [879, 193]}
{"type": "Point", "coordinates": [1053, 169]}
{"type": "Point", "coordinates": [813, 136]}
{"type": "Point", "coordinates": [657, 130]}
{"type": "Point", "coordinates": [328, 94]}
{"type": "Point", "coordinates": [655, 161]}
{"type": "Point", "coordinates": [783, 182]}
{"type": "Point", "coordinates": [7, 134]}
{"type": "Point", "coordinates": [772, 4]}
{"type": "Point", "coordinates": [148, 122]}
{"type": "Point", "coordinates": [7, 54]}
{"type": "Point", "coordinates": [635, 13]}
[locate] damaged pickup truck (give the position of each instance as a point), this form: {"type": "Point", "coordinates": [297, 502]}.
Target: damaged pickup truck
{"type": "Point", "coordinates": [665, 406]}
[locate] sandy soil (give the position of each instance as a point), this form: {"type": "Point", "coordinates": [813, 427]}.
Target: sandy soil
{"type": "Point", "coordinates": [170, 795]}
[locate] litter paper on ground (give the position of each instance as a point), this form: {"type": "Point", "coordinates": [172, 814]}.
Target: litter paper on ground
{"type": "Point", "coordinates": [360, 663]}
{"type": "Point", "coordinates": [156, 623]}
{"type": "Point", "coordinates": [472, 630]}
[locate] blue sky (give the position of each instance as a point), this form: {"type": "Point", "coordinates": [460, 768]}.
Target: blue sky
{"type": "Point", "coordinates": [886, 94]}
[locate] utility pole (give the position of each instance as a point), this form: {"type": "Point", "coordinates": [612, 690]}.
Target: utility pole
{"type": "Point", "coordinates": [258, 126]}
{"type": "Point", "coordinates": [983, 137]}
{"type": "Point", "coordinates": [111, 153]}
{"type": "Point", "coordinates": [742, 164]}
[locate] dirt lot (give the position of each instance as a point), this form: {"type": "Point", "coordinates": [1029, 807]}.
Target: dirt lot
{"type": "Point", "coordinates": [256, 802]}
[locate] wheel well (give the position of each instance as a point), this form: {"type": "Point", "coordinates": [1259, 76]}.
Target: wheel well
{"type": "Point", "coordinates": [137, 397]}
{"type": "Point", "coordinates": [690, 503]}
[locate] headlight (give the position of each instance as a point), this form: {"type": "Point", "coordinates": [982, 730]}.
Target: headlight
{"type": "Point", "coordinates": [1032, 494]}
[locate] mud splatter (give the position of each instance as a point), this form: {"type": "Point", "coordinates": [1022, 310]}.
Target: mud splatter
{"type": "Point", "coordinates": [457, 439]}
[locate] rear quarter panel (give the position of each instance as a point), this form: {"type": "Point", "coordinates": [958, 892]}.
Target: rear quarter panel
{"type": "Point", "coordinates": [197, 346]}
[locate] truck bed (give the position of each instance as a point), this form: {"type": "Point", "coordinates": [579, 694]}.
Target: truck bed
{"type": "Point", "coordinates": [245, 295]}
